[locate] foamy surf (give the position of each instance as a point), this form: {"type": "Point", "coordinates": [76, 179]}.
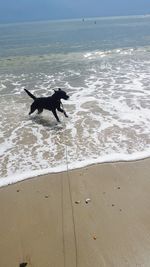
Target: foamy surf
{"type": "Point", "coordinates": [19, 176]}
{"type": "Point", "coordinates": [108, 114]}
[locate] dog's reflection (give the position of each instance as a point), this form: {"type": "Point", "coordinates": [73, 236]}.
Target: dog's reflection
{"type": "Point", "coordinates": [46, 122]}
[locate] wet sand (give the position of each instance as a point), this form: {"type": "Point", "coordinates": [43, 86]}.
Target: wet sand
{"type": "Point", "coordinates": [97, 216]}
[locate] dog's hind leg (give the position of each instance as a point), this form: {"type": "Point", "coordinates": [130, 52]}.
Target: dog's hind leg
{"type": "Point", "coordinates": [33, 108]}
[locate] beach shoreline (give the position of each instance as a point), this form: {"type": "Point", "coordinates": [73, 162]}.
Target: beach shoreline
{"type": "Point", "coordinates": [94, 216]}
{"type": "Point", "coordinates": [20, 177]}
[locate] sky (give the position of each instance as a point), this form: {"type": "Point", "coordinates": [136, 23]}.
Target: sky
{"type": "Point", "coordinates": [34, 10]}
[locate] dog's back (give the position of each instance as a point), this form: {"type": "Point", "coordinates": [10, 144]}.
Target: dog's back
{"type": "Point", "coordinates": [46, 102]}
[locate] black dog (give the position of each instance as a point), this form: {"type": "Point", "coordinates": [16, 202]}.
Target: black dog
{"type": "Point", "coordinates": [51, 102]}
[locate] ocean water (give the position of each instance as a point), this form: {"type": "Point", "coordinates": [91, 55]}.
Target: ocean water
{"type": "Point", "coordinates": [104, 66]}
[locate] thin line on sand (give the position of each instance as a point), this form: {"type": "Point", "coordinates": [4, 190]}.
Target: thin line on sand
{"type": "Point", "coordinates": [111, 224]}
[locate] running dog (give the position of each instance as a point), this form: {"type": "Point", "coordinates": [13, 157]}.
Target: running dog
{"type": "Point", "coordinates": [51, 103]}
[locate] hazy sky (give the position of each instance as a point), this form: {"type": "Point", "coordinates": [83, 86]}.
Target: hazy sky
{"type": "Point", "coordinates": [29, 10]}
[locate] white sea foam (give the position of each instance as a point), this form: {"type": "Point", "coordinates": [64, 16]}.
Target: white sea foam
{"type": "Point", "coordinates": [20, 176]}
{"type": "Point", "coordinates": [108, 115]}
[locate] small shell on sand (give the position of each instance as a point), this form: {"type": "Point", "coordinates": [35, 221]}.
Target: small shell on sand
{"type": "Point", "coordinates": [87, 200]}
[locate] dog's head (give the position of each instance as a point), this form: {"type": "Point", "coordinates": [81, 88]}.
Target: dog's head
{"type": "Point", "coordinates": [61, 94]}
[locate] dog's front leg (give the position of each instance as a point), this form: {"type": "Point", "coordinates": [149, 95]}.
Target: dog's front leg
{"type": "Point", "coordinates": [55, 114]}
{"type": "Point", "coordinates": [65, 114]}
{"type": "Point", "coordinates": [63, 111]}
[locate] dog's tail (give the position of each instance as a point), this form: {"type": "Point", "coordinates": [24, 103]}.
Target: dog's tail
{"type": "Point", "coordinates": [32, 96]}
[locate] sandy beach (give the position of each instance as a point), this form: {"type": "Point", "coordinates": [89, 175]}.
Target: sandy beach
{"type": "Point", "coordinates": [97, 216]}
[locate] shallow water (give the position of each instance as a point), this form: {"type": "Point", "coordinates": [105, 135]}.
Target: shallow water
{"type": "Point", "coordinates": [109, 97]}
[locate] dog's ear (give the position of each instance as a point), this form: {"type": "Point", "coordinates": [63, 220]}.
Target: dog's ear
{"type": "Point", "coordinates": [54, 91]}
{"type": "Point", "coordinates": [59, 89]}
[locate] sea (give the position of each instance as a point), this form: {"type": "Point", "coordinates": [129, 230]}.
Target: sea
{"type": "Point", "coordinates": [104, 66]}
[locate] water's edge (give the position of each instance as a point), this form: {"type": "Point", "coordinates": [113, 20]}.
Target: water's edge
{"type": "Point", "coordinates": [5, 181]}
